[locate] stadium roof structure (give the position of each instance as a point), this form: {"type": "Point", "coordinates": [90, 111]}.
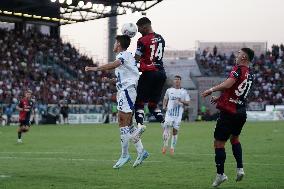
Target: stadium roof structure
{"type": "Point", "coordinates": [70, 11]}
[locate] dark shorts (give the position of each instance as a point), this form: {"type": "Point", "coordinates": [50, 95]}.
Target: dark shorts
{"type": "Point", "coordinates": [150, 86]}
{"type": "Point", "coordinates": [229, 124]}
{"type": "Point", "coordinates": [25, 123]}
{"type": "Point", "coordinates": [65, 115]}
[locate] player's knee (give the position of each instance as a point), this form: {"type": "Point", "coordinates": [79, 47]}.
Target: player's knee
{"type": "Point", "coordinates": [139, 105]}
{"type": "Point", "coordinates": [234, 140]}
{"type": "Point", "coordinates": [152, 107]}
{"type": "Point", "coordinates": [219, 144]}
{"type": "Point", "coordinates": [175, 131]}
{"type": "Point", "coordinates": [25, 129]}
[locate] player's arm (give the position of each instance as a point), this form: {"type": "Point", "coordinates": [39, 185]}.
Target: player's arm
{"type": "Point", "coordinates": [139, 51]}
{"type": "Point", "coordinates": [20, 107]}
{"type": "Point", "coordinates": [109, 66]}
{"type": "Point", "coordinates": [109, 80]}
{"type": "Point", "coordinates": [165, 101]}
{"type": "Point", "coordinates": [186, 100]}
{"type": "Point", "coordinates": [228, 83]}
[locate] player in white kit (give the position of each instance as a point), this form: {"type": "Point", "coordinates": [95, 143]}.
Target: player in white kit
{"type": "Point", "coordinates": [127, 76]}
{"type": "Point", "coordinates": [174, 100]}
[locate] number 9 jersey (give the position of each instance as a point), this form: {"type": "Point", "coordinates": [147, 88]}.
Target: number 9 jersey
{"type": "Point", "coordinates": [233, 100]}
{"type": "Point", "coordinates": [151, 49]}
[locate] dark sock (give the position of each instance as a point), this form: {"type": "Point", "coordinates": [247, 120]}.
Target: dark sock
{"type": "Point", "coordinates": [19, 135]}
{"type": "Point", "coordinates": [220, 157]}
{"type": "Point", "coordinates": [237, 151]}
{"type": "Point", "coordinates": [139, 116]}
{"type": "Point", "coordinates": [159, 116]}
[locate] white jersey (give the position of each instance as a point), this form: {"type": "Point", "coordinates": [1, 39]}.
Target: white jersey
{"type": "Point", "coordinates": [174, 108]}
{"type": "Point", "coordinates": [127, 73]}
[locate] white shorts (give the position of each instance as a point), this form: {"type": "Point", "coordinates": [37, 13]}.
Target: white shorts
{"type": "Point", "coordinates": [126, 99]}
{"type": "Point", "coordinates": [171, 121]}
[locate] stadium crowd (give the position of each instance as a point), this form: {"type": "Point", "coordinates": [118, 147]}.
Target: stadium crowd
{"type": "Point", "coordinates": [28, 60]}
{"type": "Point", "coordinates": [268, 70]}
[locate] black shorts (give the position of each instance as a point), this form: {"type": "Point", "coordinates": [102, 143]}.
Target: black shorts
{"type": "Point", "coordinates": [150, 86]}
{"type": "Point", "coordinates": [229, 124]}
{"type": "Point", "coordinates": [65, 115]}
{"type": "Point", "coordinates": [25, 123]}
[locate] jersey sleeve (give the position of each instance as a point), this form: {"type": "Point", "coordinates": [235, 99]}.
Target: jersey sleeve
{"type": "Point", "coordinates": [166, 94]}
{"type": "Point", "coordinates": [140, 48]}
{"type": "Point", "coordinates": [186, 96]}
{"type": "Point", "coordinates": [121, 58]}
{"type": "Point", "coordinates": [235, 73]}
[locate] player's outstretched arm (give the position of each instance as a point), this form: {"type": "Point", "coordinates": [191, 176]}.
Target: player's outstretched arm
{"type": "Point", "coordinates": [109, 66]}
{"type": "Point", "coordinates": [109, 80]}
{"type": "Point", "coordinates": [225, 85]}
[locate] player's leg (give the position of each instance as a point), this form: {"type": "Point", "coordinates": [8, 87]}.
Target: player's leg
{"type": "Point", "coordinates": [124, 118]}
{"type": "Point", "coordinates": [142, 97]}
{"type": "Point", "coordinates": [221, 134]}
{"type": "Point", "coordinates": [166, 134]}
{"type": "Point", "coordinates": [142, 154]}
{"type": "Point", "coordinates": [19, 131]}
{"type": "Point", "coordinates": [176, 126]}
{"type": "Point", "coordinates": [236, 145]}
{"type": "Point", "coordinates": [158, 80]}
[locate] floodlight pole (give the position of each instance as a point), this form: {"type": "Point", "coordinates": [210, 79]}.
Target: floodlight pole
{"type": "Point", "coordinates": [112, 27]}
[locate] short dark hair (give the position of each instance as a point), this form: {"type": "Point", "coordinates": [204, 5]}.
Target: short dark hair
{"type": "Point", "coordinates": [249, 52]}
{"type": "Point", "coordinates": [143, 21]}
{"type": "Point", "coordinates": [178, 76]}
{"type": "Point", "coordinates": [124, 41]}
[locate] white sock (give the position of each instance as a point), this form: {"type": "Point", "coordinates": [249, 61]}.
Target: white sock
{"type": "Point", "coordinates": [174, 141]}
{"type": "Point", "coordinates": [124, 139]}
{"type": "Point", "coordinates": [166, 136]}
{"type": "Point", "coordinates": [139, 146]}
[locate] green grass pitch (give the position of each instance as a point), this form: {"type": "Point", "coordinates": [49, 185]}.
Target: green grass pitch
{"type": "Point", "coordinates": [82, 156]}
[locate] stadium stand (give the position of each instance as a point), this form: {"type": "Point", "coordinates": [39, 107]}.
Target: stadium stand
{"type": "Point", "coordinates": [53, 70]}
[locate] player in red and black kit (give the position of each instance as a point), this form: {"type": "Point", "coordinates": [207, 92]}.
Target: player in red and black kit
{"type": "Point", "coordinates": [149, 54]}
{"type": "Point", "coordinates": [232, 106]}
{"type": "Point", "coordinates": [25, 107]}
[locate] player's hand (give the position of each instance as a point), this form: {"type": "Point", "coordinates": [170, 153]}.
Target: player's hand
{"type": "Point", "coordinates": [180, 102]}
{"type": "Point", "coordinates": [207, 93]}
{"type": "Point", "coordinates": [26, 109]}
{"type": "Point", "coordinates": [214, 99]}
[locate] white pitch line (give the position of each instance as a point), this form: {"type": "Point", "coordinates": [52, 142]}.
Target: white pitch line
{"type": "Point", "coordinates": [146, 161]}
{"type": "Point", "coordinates": [5, 176]}
{"type": "Point", "coordinates": [178, 153]}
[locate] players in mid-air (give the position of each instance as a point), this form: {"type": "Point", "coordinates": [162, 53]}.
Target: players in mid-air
{"type": "Point", "coordinates": [232, 106]}
{"type": "Point", "coordinates": [149, 54]}
{"type": "Point", "coordinates": [127, 76]}
{"type": "Point", "coordinates": [25, 108]}
{"type": "Point", "coordinates": [174, 101]}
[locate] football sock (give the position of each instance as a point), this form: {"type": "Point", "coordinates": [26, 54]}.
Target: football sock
{"type": "Point", "coordinates": [174, 141]}
{"type": "Point", "coordinates": [19, 134]}
{"type": "Point", "coordinates": [139, 116]}
{"type": "Point", "coordinates": [124, 139]}
{"type": "Point", "coordinates": [139, 146]}
{"type": "Point", "coordinates": [220, 157]}
{"type": "Point", "coordinates": [237, 151]}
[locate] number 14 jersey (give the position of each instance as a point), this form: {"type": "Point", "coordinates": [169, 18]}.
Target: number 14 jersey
{"type": "Point", "coordinates": [233, 100]}
{"type": "Point", "coordinates": [151, 49]}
